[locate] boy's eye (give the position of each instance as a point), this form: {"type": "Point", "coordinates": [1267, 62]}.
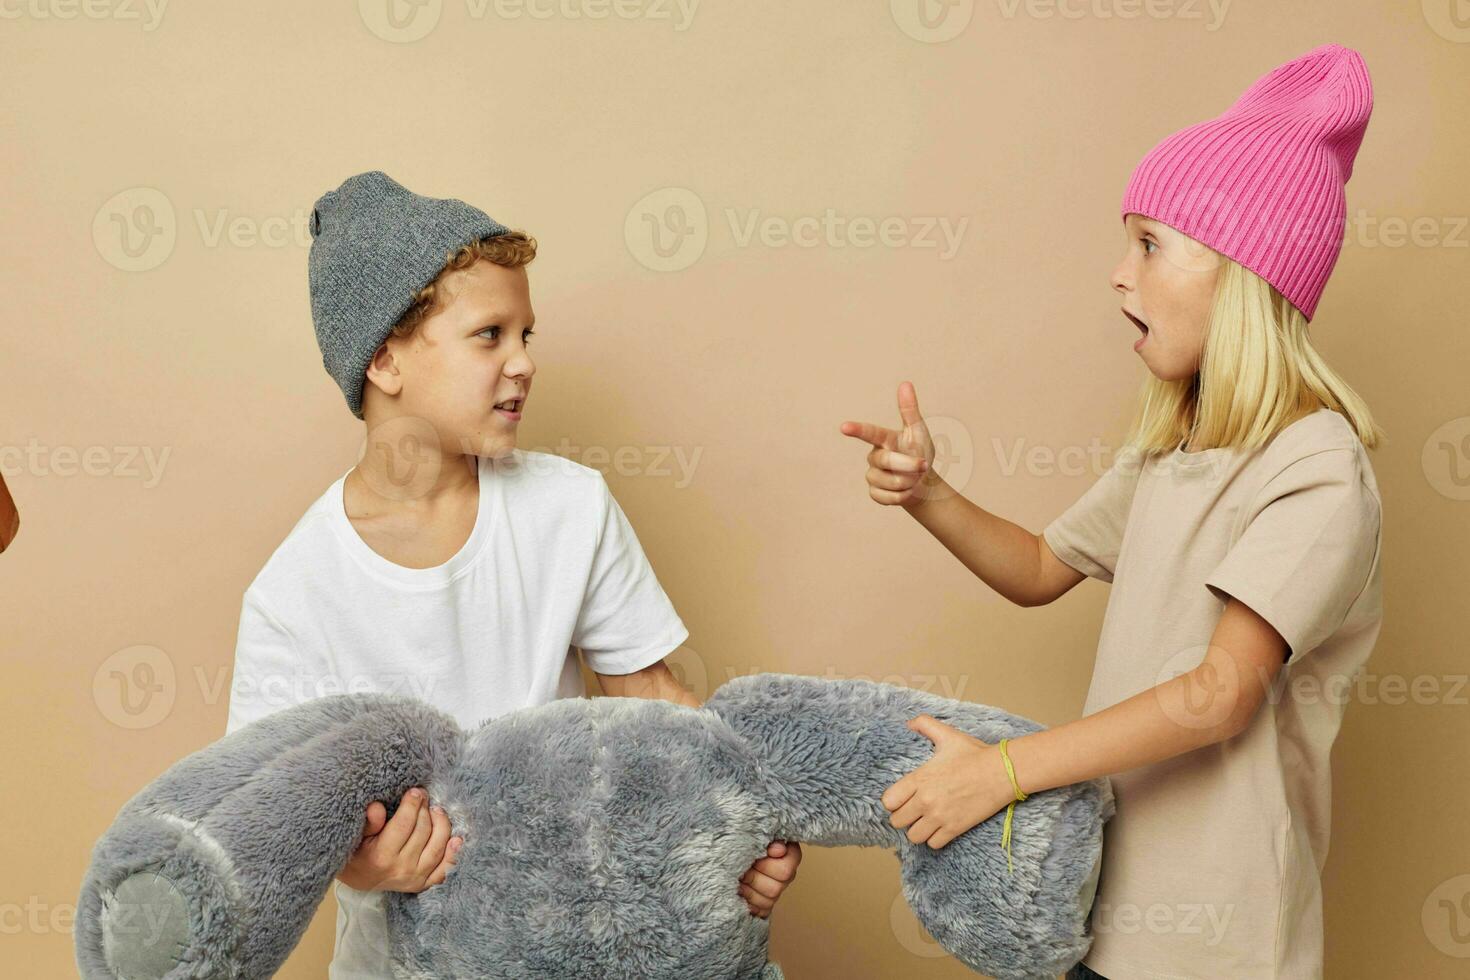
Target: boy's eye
{"type": "Point", "coordinates": [493, 333]}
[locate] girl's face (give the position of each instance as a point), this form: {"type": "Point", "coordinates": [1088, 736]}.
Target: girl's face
{"type": "Point", "coordinates": [1167, 281]}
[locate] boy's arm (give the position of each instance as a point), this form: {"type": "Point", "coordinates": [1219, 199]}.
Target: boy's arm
{"type": "Point", "coordinates": [764, 881]}
{"type": "Point", "coordinates": [409, 853]}
{"type": "Point", "coordinates": [655, 682]}
{"type": "Point", "coordinates": [268, 674]}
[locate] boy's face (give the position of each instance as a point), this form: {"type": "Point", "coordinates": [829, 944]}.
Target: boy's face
{"type": "Point", "coordinates": [1167, 281]}
{"type": "Point", "coordinates": [466, 369]}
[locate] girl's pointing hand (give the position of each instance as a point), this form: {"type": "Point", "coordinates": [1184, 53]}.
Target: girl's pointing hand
{"type": "Point", "coordinates": [900, 464]}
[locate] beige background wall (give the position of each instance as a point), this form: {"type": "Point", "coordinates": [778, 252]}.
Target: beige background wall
{"type": "Point", "coordinates": [164, 417]}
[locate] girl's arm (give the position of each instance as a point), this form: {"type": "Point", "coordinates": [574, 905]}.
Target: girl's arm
{"type": "Point", "coordinates": [1208, 704]}
{"type": "Point", "coordinates": [1007, 557]}
{"type": "Point", "coordinates": [965, 782]}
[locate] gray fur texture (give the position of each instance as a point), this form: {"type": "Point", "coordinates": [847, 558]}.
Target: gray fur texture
{"type": "Point", "coordinates": [602, 837]}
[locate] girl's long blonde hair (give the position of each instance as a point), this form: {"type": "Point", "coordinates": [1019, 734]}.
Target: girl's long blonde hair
{"type": "Point", "coordinates": [1258, 372]}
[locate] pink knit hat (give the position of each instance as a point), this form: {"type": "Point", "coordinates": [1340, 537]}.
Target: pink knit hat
{"type": "Point", "coordinates": [1264, 182]}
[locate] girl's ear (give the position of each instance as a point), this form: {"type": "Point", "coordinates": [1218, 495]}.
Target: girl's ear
{"type": "Point", "coordinates": [222, 860]}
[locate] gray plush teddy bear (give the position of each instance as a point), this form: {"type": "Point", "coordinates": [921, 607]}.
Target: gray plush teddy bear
{"type": "Point", "coordinates": [602, 837]}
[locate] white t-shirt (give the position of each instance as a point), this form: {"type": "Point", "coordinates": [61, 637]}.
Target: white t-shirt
{"type": "Point", "coordinates": [551, 564]}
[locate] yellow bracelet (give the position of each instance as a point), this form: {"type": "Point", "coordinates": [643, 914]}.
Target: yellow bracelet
{"type": "Point", "coordinates": [1005, 837]}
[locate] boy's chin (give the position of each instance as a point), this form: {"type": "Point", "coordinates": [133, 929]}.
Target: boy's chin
{"type": "Point", "coordinates": [496, 447]}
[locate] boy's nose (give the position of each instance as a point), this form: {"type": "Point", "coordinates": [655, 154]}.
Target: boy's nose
{"type": "Point", "coordinates": [520, 366]}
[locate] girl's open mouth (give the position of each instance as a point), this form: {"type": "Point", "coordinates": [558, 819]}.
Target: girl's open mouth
{"type": "Point", "coordinates": [1141, 326]}
{"type": "Point", "coordinates": [511, 409]}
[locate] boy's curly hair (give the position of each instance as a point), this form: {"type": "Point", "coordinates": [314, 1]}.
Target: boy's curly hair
{"type": "Point", "coordinates": [512, 250]}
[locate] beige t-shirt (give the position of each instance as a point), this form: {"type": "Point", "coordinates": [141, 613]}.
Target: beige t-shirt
{"type": "Point", "coordinates": [1211, 866]}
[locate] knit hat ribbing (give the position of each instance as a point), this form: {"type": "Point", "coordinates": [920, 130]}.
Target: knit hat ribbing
{"type": "Point", "coordinates": [375, 244]}
{"type": "Point", "coordinates": [1263, 183]}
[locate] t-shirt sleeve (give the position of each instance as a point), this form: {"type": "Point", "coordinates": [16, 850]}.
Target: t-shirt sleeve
{"type": "Point", "coordinates": [627, 621]}
{"type": "Point", "coordinates": [1089, 534]}
{"type": "Point", "coordinates": [1307, 550]}
{"type": "Point", "coordinates": [267, 673]}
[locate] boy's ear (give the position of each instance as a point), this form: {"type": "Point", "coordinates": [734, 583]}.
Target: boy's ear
{"type": "Point", "coordinates": [382, 371]}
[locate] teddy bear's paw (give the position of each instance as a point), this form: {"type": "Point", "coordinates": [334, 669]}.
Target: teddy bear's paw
{"type": "Point", "coordinates": [145, 926]}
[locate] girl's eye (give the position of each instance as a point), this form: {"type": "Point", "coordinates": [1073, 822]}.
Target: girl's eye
{"type": "Point", "coordinates": [1146, 243]}
{"type": "Point", "coordinates": [526, 337]}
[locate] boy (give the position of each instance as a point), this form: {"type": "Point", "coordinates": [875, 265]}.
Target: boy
{"type": "Point", "coordinates": [447, 564]}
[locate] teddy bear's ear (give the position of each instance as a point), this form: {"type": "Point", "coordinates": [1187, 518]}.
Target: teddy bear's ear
{"type": "Point", "coordinates": [222, 860]}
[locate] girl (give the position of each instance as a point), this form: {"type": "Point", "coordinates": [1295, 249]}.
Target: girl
{"type": "Point", "coordinates": [1240, 529]}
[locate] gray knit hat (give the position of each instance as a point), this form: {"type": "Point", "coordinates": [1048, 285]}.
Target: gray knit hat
{"type": "Point", "coordinates": [374, 245]}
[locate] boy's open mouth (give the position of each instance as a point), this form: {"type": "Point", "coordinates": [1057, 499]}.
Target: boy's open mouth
{"type": "Point", "coordinates": [511, 407]}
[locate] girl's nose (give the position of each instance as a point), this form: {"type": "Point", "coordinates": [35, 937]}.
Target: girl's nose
{"type": "Point", "coordinates": [1122, 277]}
